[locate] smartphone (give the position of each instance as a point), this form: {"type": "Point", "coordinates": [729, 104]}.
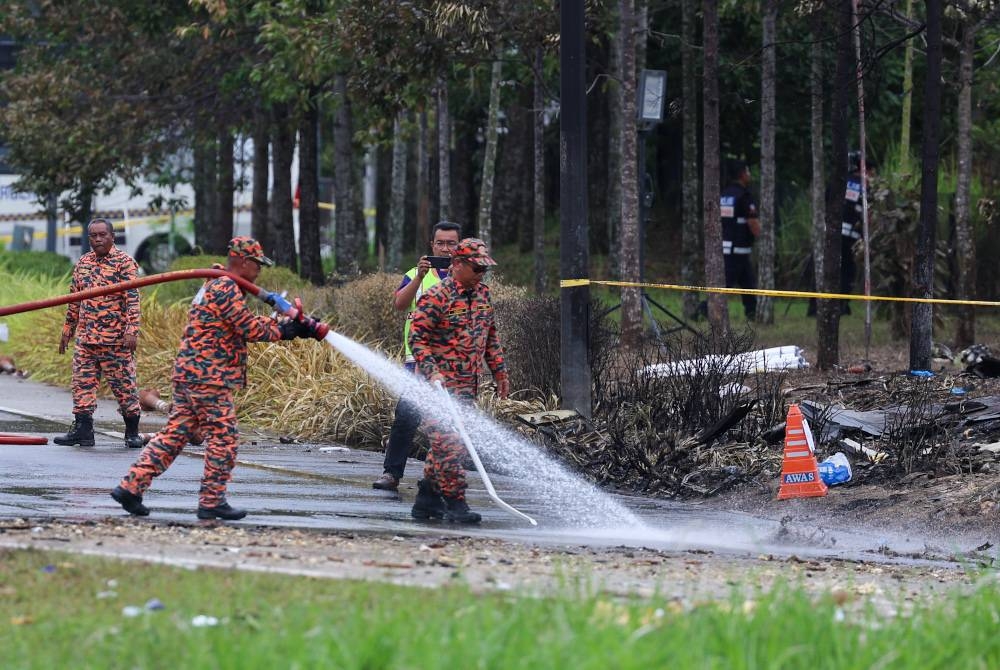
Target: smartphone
{"type": "Point", "coordinates": [440, 262]}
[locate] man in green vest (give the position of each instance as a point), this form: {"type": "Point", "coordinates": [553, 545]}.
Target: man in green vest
{"type": "Point", "coordinates": [415, 283]}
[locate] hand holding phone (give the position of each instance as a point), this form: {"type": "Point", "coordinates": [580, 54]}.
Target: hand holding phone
{"type": "Point", "coordinates": [440, 262]}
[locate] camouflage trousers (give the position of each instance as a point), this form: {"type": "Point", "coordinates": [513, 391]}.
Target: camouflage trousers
{"type": "Point", "coordinates": [445, 463]}
{"type": "Point", "coordinates": [116, 365]}
{"type": "Point", "coordinates": [201, 408]}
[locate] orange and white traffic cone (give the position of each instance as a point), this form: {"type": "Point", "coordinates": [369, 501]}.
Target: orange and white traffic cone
{"type": "Point", "coordinates": [799, 472]}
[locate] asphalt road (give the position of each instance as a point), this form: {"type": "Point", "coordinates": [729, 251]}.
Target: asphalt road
{"type": "Point", "coordinates": [311, 486]}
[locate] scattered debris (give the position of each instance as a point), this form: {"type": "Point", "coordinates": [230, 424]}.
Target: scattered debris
{"type": "Point", "coordinates": [331, 449]}
{"type": "Point", "coordinates": [762, 360]}
{"type": "Point", "coordinates": [835, 469]}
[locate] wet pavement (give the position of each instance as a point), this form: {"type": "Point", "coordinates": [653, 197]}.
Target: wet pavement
{"type": "Point", "coordinates": [313, 487]}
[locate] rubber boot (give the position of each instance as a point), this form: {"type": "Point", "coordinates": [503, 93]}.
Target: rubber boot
{"type": "Point", "coordinates": [221, 511]}
{"type": "Point", "coordinates": [81, 432]}
{"type": "Point", "coordinates": [133, 440]}
{"type": "Point", "coordinates": [459, 512]}
{"type": "Point", "coordinates": [429, 504]}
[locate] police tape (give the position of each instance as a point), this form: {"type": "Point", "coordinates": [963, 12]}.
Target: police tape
{"type": "Point", "coordinates": [574, 283]}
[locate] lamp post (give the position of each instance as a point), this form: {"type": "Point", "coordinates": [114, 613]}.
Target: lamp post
{"type": "Point", "coordinates": [652, 91]}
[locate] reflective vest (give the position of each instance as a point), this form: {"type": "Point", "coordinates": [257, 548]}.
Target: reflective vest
{"type": "Point", "coordinates": [430, 280]}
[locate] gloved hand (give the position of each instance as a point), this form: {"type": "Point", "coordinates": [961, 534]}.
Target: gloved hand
{"type": "Point", "coordinates": [313, 328]}
{"type": "Point", "coordinates": [292, 328]}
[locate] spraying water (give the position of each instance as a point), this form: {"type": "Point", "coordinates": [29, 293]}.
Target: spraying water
{"type": "Point", "coordinates": [568, 498]}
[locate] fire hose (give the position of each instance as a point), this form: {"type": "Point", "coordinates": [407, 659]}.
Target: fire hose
{"type": "Point", "coordinates": [292, 310]}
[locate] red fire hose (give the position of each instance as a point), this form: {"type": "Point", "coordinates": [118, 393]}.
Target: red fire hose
{"type": "Point", "coordinates": [290, 309]}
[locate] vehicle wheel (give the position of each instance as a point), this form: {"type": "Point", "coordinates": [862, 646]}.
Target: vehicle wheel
{"type": "Point", "coordinates": [156, 255]}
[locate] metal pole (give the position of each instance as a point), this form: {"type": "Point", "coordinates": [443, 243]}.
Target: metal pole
{"type": "Point", "coordinates": [574, 252]}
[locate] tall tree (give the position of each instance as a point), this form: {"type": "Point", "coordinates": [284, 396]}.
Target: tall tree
{"type": "Point", "coordinates": [816, 125]}
{"type": "Point", "coordinates": [765, 245]}
{"type": "Point", "coordinates": [828, 311]}
{"type": "Point", "coordinates": [310, 263]}
{"type": "Point", "coordinates": [538, 161]}
{"type": "Point", "coordinates": [907, 111]}
{"type": "Point", "coordinates": [691, 230]}
{"type": "Point", "coordinates": [282, 217]}
{"type": "Point", "coordinates": [715, 275]}
{"type": "Point", "coordinates": [423, 181]}
{"type": "Point", "coordinates": [965, 253]}
{"type": "Point", "coordinates": [444, 150]}
{"type": "Point", "coordinates": [614, 166]}
{"type": "Point", "coordinates": [259, 225]}
{"type": "Point", "coordinates": [629, 268]}
{"type": "Point", "coordinates": [397, 208]}
{"type": "Point", "coordinates": [223, 219]}
{"type": "Point", "coordinates": [484, 222]}
{"type": "Point", "coordinates": [349, 236]}
{"type": "Point", "coordinates": [922, 315]}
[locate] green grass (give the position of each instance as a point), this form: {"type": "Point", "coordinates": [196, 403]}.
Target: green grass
{"type": "Point", "coordinates": [52, 618]}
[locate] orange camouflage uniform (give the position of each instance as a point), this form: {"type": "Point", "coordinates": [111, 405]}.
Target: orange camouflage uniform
{"type": "Point", "coordinates": [454, 334]}
{"type": "Point", "coordinates": [210, 365]}
{"type": "Point", "coordinates": [100, 325]}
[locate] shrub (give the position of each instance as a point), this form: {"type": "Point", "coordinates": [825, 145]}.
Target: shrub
{"type": "Point", "coordinates": [38, 263]}
{"type": "Point", "coordinates": [362, 310]}
{"type": "Point", "coordinates": [529, 331]}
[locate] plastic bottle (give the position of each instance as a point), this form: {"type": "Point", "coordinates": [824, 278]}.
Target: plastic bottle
{"type": "Point", "coordinates": [835, 470]}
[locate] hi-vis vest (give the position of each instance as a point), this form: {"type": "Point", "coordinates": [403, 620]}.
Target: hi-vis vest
{"type": "Point", "coordinates": [430, 280]}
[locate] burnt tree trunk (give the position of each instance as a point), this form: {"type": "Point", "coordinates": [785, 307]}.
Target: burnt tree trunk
{"type": "Point", "coordinates": [922, 317]}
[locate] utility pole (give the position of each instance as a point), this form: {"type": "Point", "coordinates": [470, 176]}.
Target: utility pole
{"type": "Point", "coordinates": [574, 251]}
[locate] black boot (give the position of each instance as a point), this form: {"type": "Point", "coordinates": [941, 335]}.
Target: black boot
{"type": "Point", "coordinates": [81, 432]}
{"type": "Point", "coordinates": [221, 511]}
{"type": "Point", "coordinates": [130, 502]}
{"type": "Point", "coordinates": [429, 504]}
{"type": "Point", "coordinates": [133, 440]}
{"type": "Point", "coordinates": [459, 512]}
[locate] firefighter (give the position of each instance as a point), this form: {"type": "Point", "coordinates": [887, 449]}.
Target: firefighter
{"type": "Point", "coordinates": [740, 227]}
{"type": "Point", "coordinates": [209, 367]}
{"type": "Point", "coordinates": [416, 282]}
{"type": "Point", "coordinates": [107, 331]}
{"type": "Point", "coordinates": [453, 338]}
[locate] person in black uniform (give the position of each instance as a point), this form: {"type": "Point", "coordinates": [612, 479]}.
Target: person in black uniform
{"type": "Point", "coordinates": [740, 227]}
{"type": "Point", "coordinates": [852, 226]}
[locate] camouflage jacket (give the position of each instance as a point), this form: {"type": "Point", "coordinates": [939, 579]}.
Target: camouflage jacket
{"type": "Point", "coordinates": [454, 333]}
{"type": "Point", "coordinates": [213, 350]}
{"type": "Point", "coordinates": [107, 319]}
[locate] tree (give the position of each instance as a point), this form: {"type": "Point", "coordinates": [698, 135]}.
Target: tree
{"type": "Point", "coordinates": [922, 315]}
{"type": "Point", "coordinates": [718, 311]}
{"type": "Point", "coordinates": [765, 267]}
{"type": "Point", "coordinates": [397, 208]}
{"type": "Point", "coordinates": [816, 134]}
{"type": "Point", "coordinates": [484, 221]}
{"type": "Point", "coordinates": [310, 263]}
{"type": "Point", "coordinates": [629, 268]}
{"type": "Point", "coordinates": [538, 162]}
{"type": "Point", "coordinates": [349, 237]}
{"type": "Point", "coordinates": [691, 231]}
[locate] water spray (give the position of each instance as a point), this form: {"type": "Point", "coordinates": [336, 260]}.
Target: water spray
{"type": "Point", "coordinates": [460, 427]}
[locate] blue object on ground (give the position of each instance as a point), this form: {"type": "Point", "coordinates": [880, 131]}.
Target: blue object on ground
{"type": "Point", "coordinates": [835, 470]}
{"type": "Point", "coordinates": [921, 373]}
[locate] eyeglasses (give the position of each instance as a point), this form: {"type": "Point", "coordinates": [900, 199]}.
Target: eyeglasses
{"type": "Point", "coordinates": [450, 244]}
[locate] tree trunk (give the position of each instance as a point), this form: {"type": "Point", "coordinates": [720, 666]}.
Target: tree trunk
{"type": "Point", "coordinates": [348, 236]}
{"type": "Point", "coordinates": [715, 275]}
{"type": "Point", "coordinates": [629, 267]}
{"type": "Point", "coordinates": [965, 252]}
{"type": "Point", "coordinates": [484, 222]}
{"type": "Point", "coordinates": [923, 276]}
{"type": "Point", "coordinates": [817, 135]}
{"type": "Point", "coordinates": [691, 242]}
{"type": "Point", "coordinates": [223, 228]}
{"type": "Point", "coordinates": [538, 181]}
{"type": "Point", "coordinates": [207, 174]}
{"type": "Point", "coordinates": [614, 149]}
{"type": "Point", "coordinates": [444, 150]}
{"type": "Point", "coordinates": [259, 226]}
{"type": "Point", "coordinates": [199, 181]}
{"type": "Point", "coordinates": [310, 263]}
{"type": "Point", "coordinates": [904, 136]}
{"type": "Point", "coordinates": [423, 233]}
{"type": "Point", "coordinates": [383, 202]}
{"type": "Point", "coordinates": [765, 245]}
{"type": "Point", "coordinates": [397, 207]}
{"type": "Point", "coordinates": [282, 215]}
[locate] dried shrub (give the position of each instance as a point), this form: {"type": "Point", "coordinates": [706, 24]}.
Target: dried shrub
{"type": "Point", "coordinates": [914, 434]}
{"type": "Point", "coordinates": [362, 310]}
{"type": "Point", "coordinates": [529, 331]}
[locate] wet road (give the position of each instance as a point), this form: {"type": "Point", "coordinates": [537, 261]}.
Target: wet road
{"type": "Point", "coordinates": [310, 486]}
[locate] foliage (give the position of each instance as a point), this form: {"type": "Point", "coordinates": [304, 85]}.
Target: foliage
{"type": "Point", "coordinates": [41, 263]}
{"type": "Point", "coordinates": [363, 311]}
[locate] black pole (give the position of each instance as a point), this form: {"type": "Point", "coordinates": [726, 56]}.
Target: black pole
{"type": "Point", "coordinates": [574, 252]}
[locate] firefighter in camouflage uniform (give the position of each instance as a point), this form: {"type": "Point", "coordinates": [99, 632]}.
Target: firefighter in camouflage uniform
{"type": "Point", "coordinates": [210, 366]}
{"type": "Point", "coordinates": [454, 338]}
{"type": "Point", "coordinates": [106, 330]}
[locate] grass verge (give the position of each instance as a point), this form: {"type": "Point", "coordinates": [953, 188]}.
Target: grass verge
{"type": "Point", "coordinates": [67, 611]}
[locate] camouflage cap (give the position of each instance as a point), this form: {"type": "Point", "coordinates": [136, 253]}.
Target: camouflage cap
{"type": "Point", "coordinates": [474, 250]}
{"type": "Point", "coordinates": [248, 247]}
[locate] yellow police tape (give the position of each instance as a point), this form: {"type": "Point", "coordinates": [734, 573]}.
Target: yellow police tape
{"type": "Point", "coordinates": [572, 283]}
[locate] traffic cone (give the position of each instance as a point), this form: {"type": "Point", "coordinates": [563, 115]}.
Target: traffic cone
{"type": "Point", "coordinates": [799, 473]}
